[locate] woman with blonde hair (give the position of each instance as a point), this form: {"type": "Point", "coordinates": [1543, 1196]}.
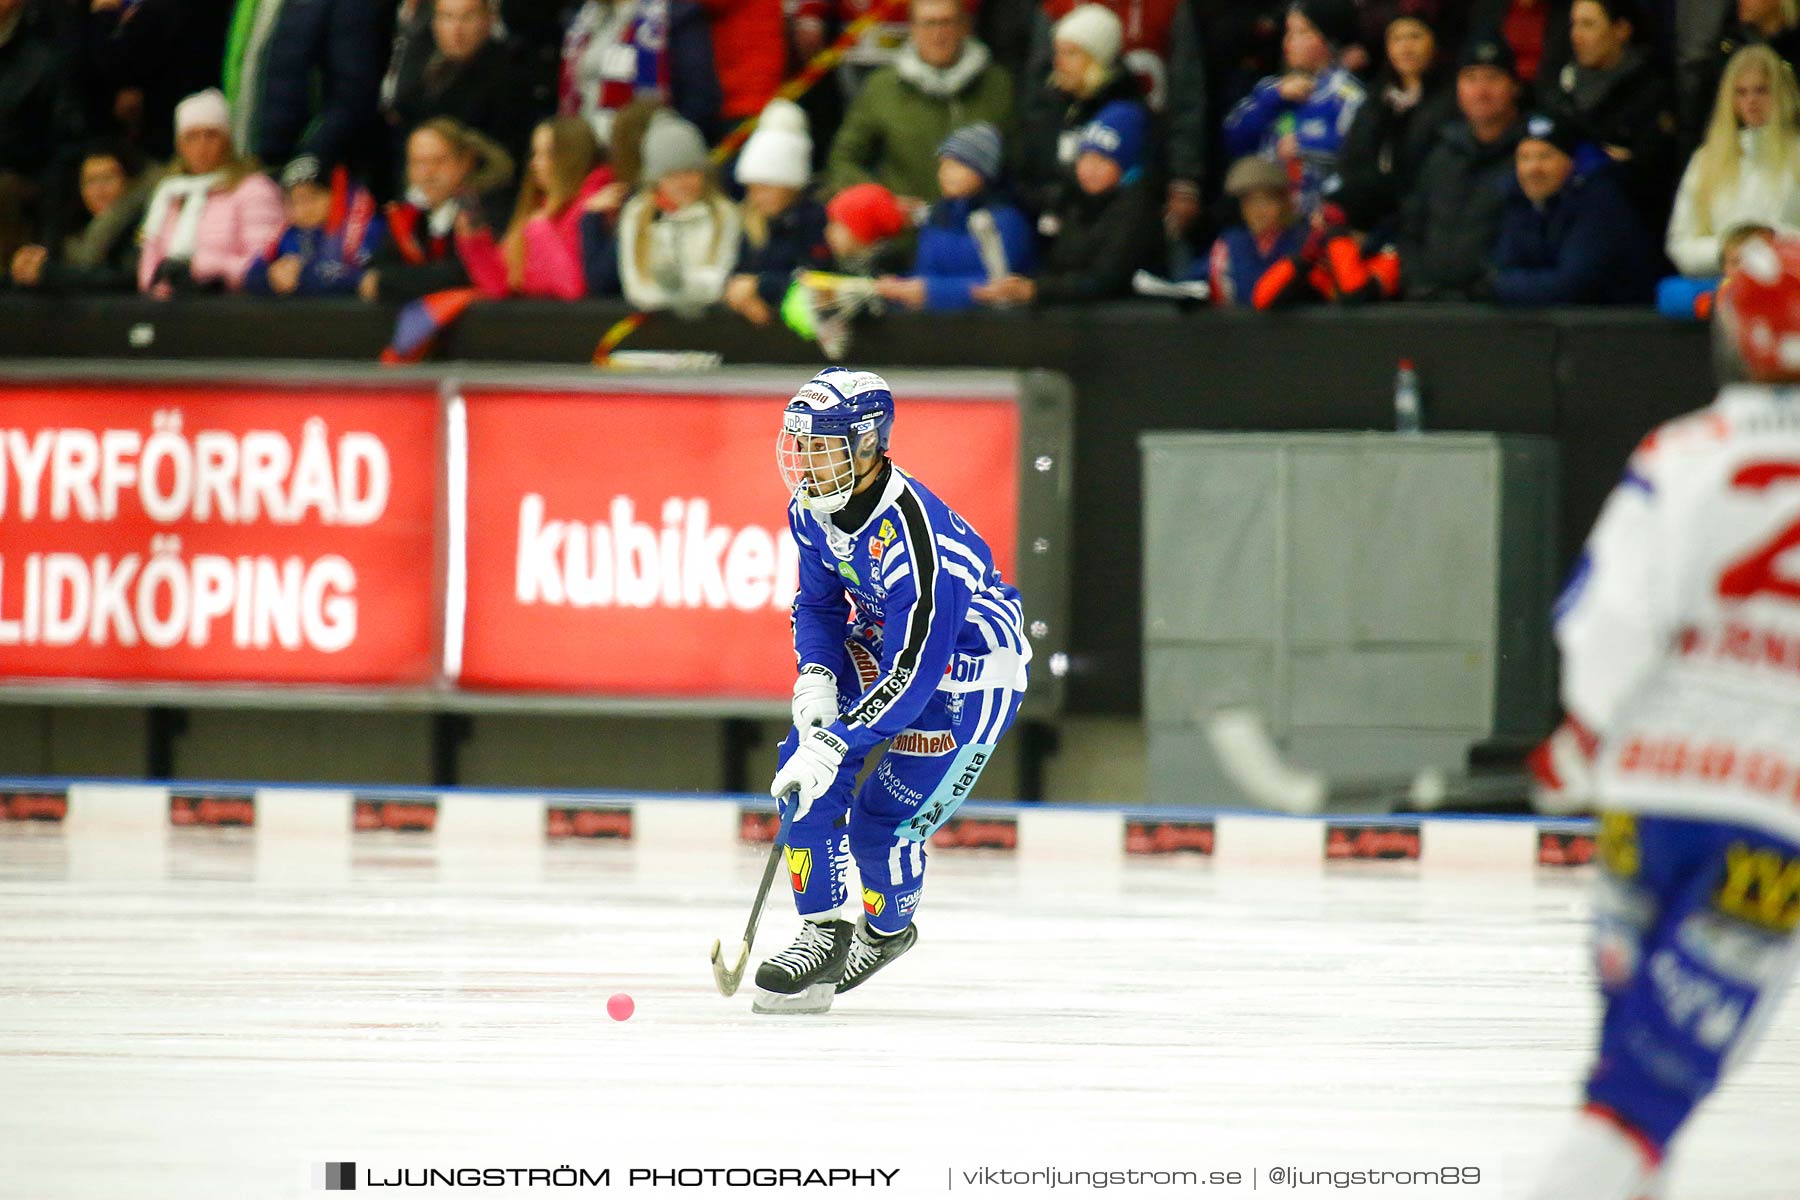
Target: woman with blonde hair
{"type": "Point", "coordinates": [213, 213]}
{"type": "Point", "coordinates": [678, 237]}
{"type": "Point", "coordinates": [1747, 169]}
{"type": "Point", "coordinates": [540, 255]}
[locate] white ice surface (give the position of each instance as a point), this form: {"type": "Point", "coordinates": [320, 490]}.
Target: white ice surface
{"type": "Point", "coordinates": [200, 1021]}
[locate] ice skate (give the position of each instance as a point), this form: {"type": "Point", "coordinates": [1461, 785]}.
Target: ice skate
{"type": "Point", "coordinates": [804, 977]}
{"type": "Point", "coordinates": [869, 952]}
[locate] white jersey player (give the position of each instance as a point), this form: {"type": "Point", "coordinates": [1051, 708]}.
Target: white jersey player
{"type": "Point", "coordinates": [1680, 636]}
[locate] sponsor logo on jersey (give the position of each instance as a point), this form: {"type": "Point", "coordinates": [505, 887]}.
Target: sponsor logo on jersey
{"type": "Point", "coordinates": [873, 902]}
{"type": "Point", "coordinates": [969, 775]}
{"type": "Point", "coordinates": [799, 864]}
{"type": "Point", "coordinates": [1761, 888]}
{"type": "Point", "coordinates": [915, 741]}
{"type": "Point", "coordinates": [868, 667]}
{"type": "Point", "coordinates": [964, 669]}
{"type": "Point", "coordinates": [887, 533]}
{"type": "Point", "coordinates": [884, 695]}
{"type": "Point", "coordinates": [876, 548]}
{"type": "Point", "coordinates": [849, 572]}
{"type": "Point", "coordinates": [910, 901]}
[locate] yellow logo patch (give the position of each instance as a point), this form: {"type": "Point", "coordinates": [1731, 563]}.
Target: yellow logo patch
{"type": "Point", "coordinates": [873, 902]}
{"type": "Point", "coordinates": [799, 863]}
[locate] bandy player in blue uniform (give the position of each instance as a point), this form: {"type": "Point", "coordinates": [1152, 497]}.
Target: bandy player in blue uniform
{"type": "Point", "coordinates": [903, 630]}
{"type": "Point", "coordinates": [1680, 634]}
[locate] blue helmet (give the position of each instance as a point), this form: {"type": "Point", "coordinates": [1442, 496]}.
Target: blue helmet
{"type": "Point", "coordinates": [836, 410]}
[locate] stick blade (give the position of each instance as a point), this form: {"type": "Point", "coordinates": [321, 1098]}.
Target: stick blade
{"type": "Point", "coordinates": [728, 977]}
{"type": "Point", "coordinates": [1249, 756]}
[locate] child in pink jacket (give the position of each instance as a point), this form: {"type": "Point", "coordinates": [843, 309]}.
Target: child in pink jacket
{"type": "Point", "coordinates": [212, 214]}
{"type": "Point", "coordinates": [540, 254]}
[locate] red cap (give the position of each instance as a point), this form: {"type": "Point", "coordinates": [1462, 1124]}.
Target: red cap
{"type": "Point", "coordinates": [869, 211]}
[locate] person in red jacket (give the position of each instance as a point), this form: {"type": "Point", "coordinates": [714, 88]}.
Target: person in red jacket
{"type": "Point", "coordinates": [754, 35]}
{"type": "Point", "coordinates": [540, 254]}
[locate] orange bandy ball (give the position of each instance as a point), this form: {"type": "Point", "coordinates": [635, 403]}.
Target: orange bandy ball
{"type": "Point", "coordinates": [619, 1007]}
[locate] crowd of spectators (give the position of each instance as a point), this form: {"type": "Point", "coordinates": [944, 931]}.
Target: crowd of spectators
{"type": "Point", "coordinates": [957, 153]}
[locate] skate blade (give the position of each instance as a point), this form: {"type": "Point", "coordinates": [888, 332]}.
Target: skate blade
{"type": "Point", "coordinates": [815, 999]}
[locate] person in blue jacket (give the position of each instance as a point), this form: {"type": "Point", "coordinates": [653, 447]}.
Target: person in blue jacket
{"type": "Point", "coordinates": [1567, 236]}
{"type": "Point", "coordinates": [949, 262]}
{"type": "Point", "coordinates": [332, 231]}
{"type": "Point", "coordinates": [1300, 119]}
{"type": "Point", "coordinates": [905, 633]}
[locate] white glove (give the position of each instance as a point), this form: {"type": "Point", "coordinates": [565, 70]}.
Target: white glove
{"type": "Point", "coordinates": [812, 768]}
{"type": "Point", "coordinates": [815, 697]}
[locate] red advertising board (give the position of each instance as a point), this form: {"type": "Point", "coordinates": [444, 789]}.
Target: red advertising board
{"type": "Point", "coordinates": [261, 534]}
{"type": "Point", "coordinates": [637, 545]}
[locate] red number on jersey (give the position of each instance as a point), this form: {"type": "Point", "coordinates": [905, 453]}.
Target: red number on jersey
{"type": "Point", "coordinates": [1755, 573]}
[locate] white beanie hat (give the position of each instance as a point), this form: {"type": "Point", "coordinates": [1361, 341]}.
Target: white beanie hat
{"type": "Point", "coordinates": [203, 110]}
{"type": "Point", "coordinates": [1096, 29]}
{"type": "Point", "coordinates": [780, 151]}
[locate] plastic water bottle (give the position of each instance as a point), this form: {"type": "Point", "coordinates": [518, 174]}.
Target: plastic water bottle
{"type": "Point", "coordinates": [1407, 406]}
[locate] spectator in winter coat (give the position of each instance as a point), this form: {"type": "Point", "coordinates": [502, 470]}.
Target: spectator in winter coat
{"type": "Point", "coordinates": [678, 237]}
{"type": "Point", "coordinates": [1747, 170]}
{"type": "Point", "coordinates": [1537, 31]}
{"type": "Point", "coordinates": [1567, 238]}
{"type": "Point", "coordinates": [784, 228]}
{"type": "Point", "coordinates": [1449, 221]}
{"type": "Point", "coordinates": [541, 253]}
{"type": "Point", "coordinates": [951, 261]}
{"type": "Point", "coordinates": [213, 212]}
{"type": "Point", "coordinates": [38, 117]}
{"type": "Point", "coordinates": [449, 168]}
{"type": "Point", "coordinates": [1620, 99]}
{"type": "Point", "coordinates": [97, 251]}
{"type": "Point", "coordinates": [1393, 131]}
{"type": "Point", "coordinates": [942, 80]}
{"type": "Point", "coordinates": [613, 54]}
{"type": "Point", "coordinates": [1161, 48]}
{"type": "Point", "coordinates": [756, 32]}
{"type": "Point", "coordinates": [1106, 229]}
{"type": "Point", "coordinates": [332, 231]}
{"type": "Point", "coordinates": [1271, 232]}
{"type": "Point", "coordinates": [1300, 118]}
{"type": "Point", "coordinates": [139, 60]}
{"type": "Point", "coordinates": [1085, 76]}
{"type": "Point", "coordinates": [302, 77]}
{"type": "Point", "coordinates": [468, 72]}
{"type": "Point", "coordinates": [1771, 23]}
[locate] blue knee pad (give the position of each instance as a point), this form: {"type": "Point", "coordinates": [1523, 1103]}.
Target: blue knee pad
{"type": "Point", "coordinates": [1712, 909]}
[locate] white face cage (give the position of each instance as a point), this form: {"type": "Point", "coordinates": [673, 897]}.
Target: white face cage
{"type": "Point", "coordinates": [816, 470]}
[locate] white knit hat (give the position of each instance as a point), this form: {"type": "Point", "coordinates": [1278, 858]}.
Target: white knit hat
{"type": "Point", "coordinates": [780, 151]}
{"type": "Point", "coordinates": [1096, 29]}
{"type": "Point", "coordinates": [203, 110]}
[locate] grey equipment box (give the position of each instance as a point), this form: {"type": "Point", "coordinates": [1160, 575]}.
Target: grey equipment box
{"type": "Point", "coordinates": [1383, 600]}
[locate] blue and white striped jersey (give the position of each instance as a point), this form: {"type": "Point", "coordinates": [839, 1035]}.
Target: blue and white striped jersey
{"type": "Point", "coordinates": [919, 572]}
